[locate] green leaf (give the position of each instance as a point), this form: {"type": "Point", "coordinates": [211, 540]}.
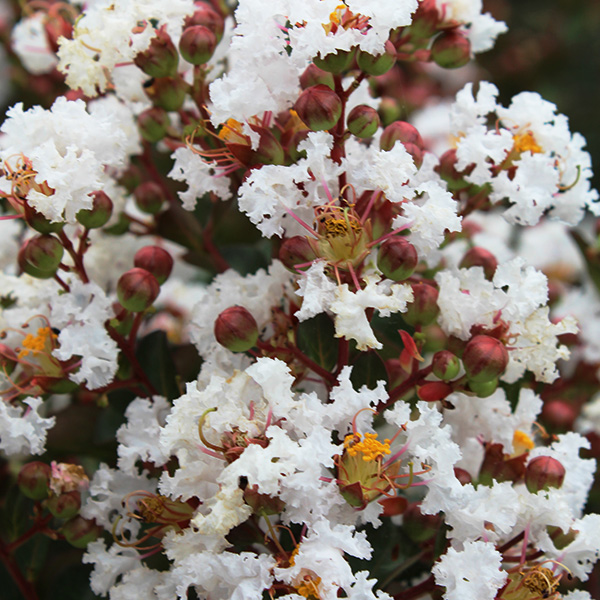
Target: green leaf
{"type": "Point", "coordinates": [367, 370]}
{"type": "Point", "coordinates": [154, 355]}
{"type": "Point", "coordinates": [316, 338]}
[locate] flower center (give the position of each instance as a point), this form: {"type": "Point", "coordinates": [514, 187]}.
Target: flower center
{"type": "Point", "coordinates": [35, 344]}
{"type": "Point", "coordinates": [525, 142]}
{"type": "Point", "coordinates": [370, 447]}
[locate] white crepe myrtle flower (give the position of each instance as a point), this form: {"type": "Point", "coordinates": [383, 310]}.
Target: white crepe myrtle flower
{"type": "Point", "coordinates": [22, 429]}
{"type": "Point", "coordinates": [53, 159]}
{"type": "Point", "coordinates": [30, 43]}
{"type": "Point", "coordinates": [473, 573]}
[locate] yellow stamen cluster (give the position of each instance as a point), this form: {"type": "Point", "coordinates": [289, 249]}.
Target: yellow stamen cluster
{"type": "Point", "coordinates": [521, 443]}
{"type": "Point", "coordinates": [541, 580]}
{"type": "Point", "coordinates": [309, 588]}
{"type": "Point", "coordinates": [370, 447]}
{"type": "Point", "coordinates": [35, 344]}
{"type": "Point", "coordinates": [340, 227]}
{"type": "Point", "coordinates": [524, 142]}
{"type": "Point", "coordinates": [233, 132]}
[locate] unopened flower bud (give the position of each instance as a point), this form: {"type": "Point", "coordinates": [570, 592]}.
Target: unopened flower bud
{"type": "Point", "coordinates": [543, 473]}
{"type": "Point", "coordinates": [39, 222]}
{"type": "Point", "coordinates": [400, 131]}
{"type": "Point", "coordinates": [99, 214]}
{"type": "Point", "coordinates": [397, 258]}
{"type": "Point", "coordinates": [425, 20]}
{"type": "Point", "coordinates": [153, 124]}
{"type": "Point", "coordinates": [34, 480]}
{"type": "Point", "coordinates": [451, 49]}
{"type": "Point", "coordinates": [315, 76]}
{"type": "Point", "coordinates": [463, 476]}
{"type": "Point", "coordinates": [319, 107]}
{"type": "Point", "coordinates": [79, 532]}
{"type": "Point", "coordinates": [236, 329]}
{"type": "Point", "coordinates": [480, 257]}
{"type": "Point", "coordinates": [149, 197]}
{"type": "Point", "coordinates": [379, 64]}
{"type": "Point", "coordinates": [423, 310]}
{"type": "Point", "coordinates": [363, 121]}
{"type": "Point", "coordinates": [167, 92]}
{"type": "Point", "coordinates": [559, 414]}
{"type": "Point", "coordinates": [160, 59]}
{"type": "Point", "coordinates": [64, 506]}
{"type": "Point", "coordinates": [335, 62]}
{"type": "Point", "coordinates": [137, 289]}
{"type": "Point", "coordinates": [485, 358]}
{"type": "Point", "coordinates": [130, 178]}
{"type": "Point", "coordinates": [28, 268]}
{"type": "Point", "coordinates": [155, 260]}
{"type": "Point", "coordinates": [43, 252]}
{"type": "Point", "coordinates": [445, 365]}
{"type": "Point", "coordinates": [206, 15]}
{"type": "Point", "coordinates": [197, 44]}
{"type": "Point", "coordinates": [296, 250]}
{"type": "Point", "coordinates": [389, 110]}
{"type": "Point", "coordinates": [483, 389]}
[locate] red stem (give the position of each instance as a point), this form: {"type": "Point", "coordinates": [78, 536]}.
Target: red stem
{"type": "Point", "coordinates": [37, 527]}
{"type": "Point", "coordinates": [77, 259]}
{"type": "Point", "coordinates": [25, 587]}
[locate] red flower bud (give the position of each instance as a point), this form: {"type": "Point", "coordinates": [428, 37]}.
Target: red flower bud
{"type": "Point", "coordinates": [236, 329]}
{"type": "Point", "coordinates": [480, 257]}
{"type": "Point", "coordinates": [155, 260]}
{"type": "Point", "coordinates": [400, 131]}
{"type": "Point", "coordinates": [137, 289]}
{"type": "Point", "coordinates": [425, 20]}
{"type": "Point", "coordinates": [445, 365]}
{"type": "Point", "coordinates": [34, 480]}
{"type": "Point", "coordinates": [423, 310]}
{"type": "Point", "coordinates": [207, 16]}
{"type": "Point", "coordinates": [397, 258]}
{"type": "Point", "coordinates": [64, 506]}
{"type": "Point", "coordinates": [336, 62]}
{"type": "Point", "coordinates": [197, 44]}
{"type": "Point", "coordinates": [43, 252]}
{"type": "Point", "coordinates": [79, 532]}
{"type": "Point", "coordinates": [463, 476]}
{"type": "Point", "coordinates": [167, 92]}
{"type": "Point", "coordinates": [319, 107]}
{"type": "Point", "coordinates": [451, 49]}
{"type": "Point", "coordinates": [380, 64]}
{"type": "Point", "coordinates": [296, 250]}
{"type": "Point", "coordinates": [160, 59]}
{"type": "Point", "coordinates": [315, 76]}
{"type": "Point", "coordinates": [543, 473]}
{"type": "Point", "coordinates": [149, 197]}
{"type": "Point", "coordinates": [432, 391]}
{"type": "Point", "coordinates": [485, 358]}
{"type": "Point", "coordinates": [153, 124]}
{"type": "Point", "coordinates": [363, 121]}
{"type": "Point", "coordinates": [99, 214]}
{"type": "Point", "coordinates": [559, 414]}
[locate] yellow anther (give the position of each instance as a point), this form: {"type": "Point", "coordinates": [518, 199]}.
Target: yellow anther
{"type": "Point", "coordinates": [232, 131]}
{"type": "Point", "coordinates": [35, 344]}
{"type": "Point", "coordinates": [371, 448]}
{"type": "Point", "coordinates": [524, 142]}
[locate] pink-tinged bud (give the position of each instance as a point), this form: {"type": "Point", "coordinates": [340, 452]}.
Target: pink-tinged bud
{"type": "Point", "coordinates": [483, 389]}
{"type": "Point", "coordinates": [137, 289]}
{"type": "Point", "coordinates": [153, 124]}
{"type": "Point", "coordinates": [447, 171]}
{"type": "Point", "coordinates": [397, 258]}
{"type": "Point", "coordinates": [296, 250]}
{"type": "Point", "coordinates": [39, 222]}
{"type": "Point", "coordinates": [130, 178]}
{"type": "Point", "coordinates": [34, 480]}
{"type": "Point", "coordinates": [423, 310]}
{"type": "Point", "coordinates": [315, 76]}
{"type": "Point", "coordinates": [167, 92]}
{"type": "Point", "coordinates": [319, 108]}
{"type": "Point", "coordinates": [149, 197]}
{"type": "Point", "coordinates": [236, 329]}
{"type": "Point", "coordinates": [400, 131]}
{"type": "Point", "coordinates": [43, 252]}
{"type": "Point", "coordinates": [432, 391]}
{"type": "Point", "coordinates": [64, 506]}
{"type": "Point", "coordinates": [363, 121]}
{"type": "Point", "coordinates": [336, 62]}
{"type": "Point", "coordinates": [445, 365]}
{"type": "Point", "coordinates": [28, 268]}
{"type": "Point", "coordinates": [463, 476]}
{"type": "Point", "coordinates": [79, 532]}
{"type": "Point", "coordinates": [207, 16]}
{"type": "Point", "coordinates": [155, 260]}
{"type": "Point", "coordinates": [160, 59]}
{"type": "Point", "coordinates": [485, 358]}
{"type": "Point", "coordinates": [451, 49]}
{"type": "Point", "coordinates": [559, 414]}
{"type": "Point", "coordinates": [543, 473]}
{"type": "Point", "coordinates": [480, 257]}
{"type": "Point", "coordinates": [99, 214]}
{"type": "Point", "coordinates": [197, 44]}
{"type": "Point", "coordinates": [380, 64]}
{"type": "Point", "coordinates": [419, 527]}
{"type": "Point", "coordinates": [389, 110]}
{"type": "Point", "coordinates": [425, 20]}
{"type": "Point", "coordinates": [435, 339]}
